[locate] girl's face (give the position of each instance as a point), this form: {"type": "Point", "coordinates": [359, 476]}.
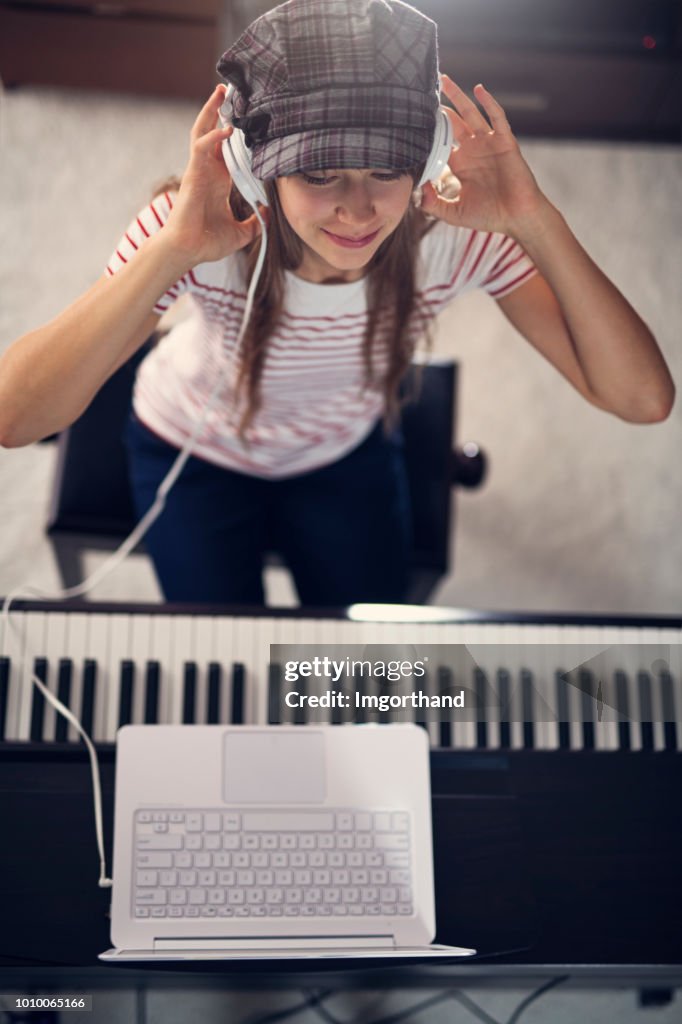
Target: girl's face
{"type": "Point", "coordinates": [342, 217]}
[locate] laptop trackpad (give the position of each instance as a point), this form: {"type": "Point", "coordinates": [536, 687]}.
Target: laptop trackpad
{"type": "Point", "coordinates": [267, 767]}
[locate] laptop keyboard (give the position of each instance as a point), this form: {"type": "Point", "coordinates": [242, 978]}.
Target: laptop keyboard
{"type": "Point", "coordinates": [218, 863]}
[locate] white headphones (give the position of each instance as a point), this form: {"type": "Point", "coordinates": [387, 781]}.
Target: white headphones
{"type": "Point", "coordinates": [237, 154]}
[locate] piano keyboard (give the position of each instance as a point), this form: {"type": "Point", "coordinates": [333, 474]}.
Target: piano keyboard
{"type": "Point", "coordinates": [155, 665]}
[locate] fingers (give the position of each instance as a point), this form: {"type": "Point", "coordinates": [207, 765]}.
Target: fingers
{"type": "Point", "coordinates": [470, 120]}
{"type": "Point", "coordinates": [208, 115]}
{"type": "Point", "coordinates": [493, 109]}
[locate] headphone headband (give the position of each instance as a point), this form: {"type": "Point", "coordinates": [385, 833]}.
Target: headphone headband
{"type": "Point", "coordinates": [237, 154]}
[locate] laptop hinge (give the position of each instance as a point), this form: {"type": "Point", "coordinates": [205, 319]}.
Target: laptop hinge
{"type": "Point", "coordinates": [269, 942]}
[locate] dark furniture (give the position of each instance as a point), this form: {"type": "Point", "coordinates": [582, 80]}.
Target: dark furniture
{"type": "Point", "coordinates": [91, 504]}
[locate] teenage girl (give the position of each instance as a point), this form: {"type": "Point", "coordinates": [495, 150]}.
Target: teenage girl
{"type": "Point", "coordinates": [338, 104]}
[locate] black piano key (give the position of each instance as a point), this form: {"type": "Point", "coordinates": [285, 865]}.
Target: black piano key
{"type": "Point", "coordinates": [336, 714]}
{"type": "Point", "coordinates": [668, 709]}
{"type": "Point", "coordinates": [562, 710]}
{"type": "Point", "coordinates": [238, 694]}
{"type": "Point", "coordinates": [4, 693]}
{"type": "Point", "coordinates": [527, 708]}
{"type": "Point", "coordinates": [481, 691]}
{"type": "Point", "coordinates": [38, 701]}
{"type": "Point", "coordinates": [586, 683]}
{"type": "Point", "coordinates": [444, 686]}
{"type": "Point", "coordinates": [645, 710]}
{"type": "Point", "coordinates": [215, 685]}
{"type": "Point", "coordinates": [623, 705]}
{"type": "Point", "coordinates": [87, 716]}
{"type": "Point", "coordinates": [504, 693]}
{"type": "Point", "coordinates": [126, 690]}
{"type": "Point", "coordinates": [64, 673]}
{"type": "Point", "coordinates": [151, 692]}
{"type": "Point", "coordinates": [274, 693]}
{"type": "Point", "coordinates": [189, 693]}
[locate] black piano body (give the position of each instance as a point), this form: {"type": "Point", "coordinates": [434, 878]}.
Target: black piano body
{"type": "Point", "coordinates": [551, 862]}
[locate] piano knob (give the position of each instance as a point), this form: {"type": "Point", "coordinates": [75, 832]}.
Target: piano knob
{"type": "Point", "coordinates": [469, 465]}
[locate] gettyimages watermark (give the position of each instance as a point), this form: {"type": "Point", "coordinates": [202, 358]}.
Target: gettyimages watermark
{"type": "Point", "coordinates": [522, 682]}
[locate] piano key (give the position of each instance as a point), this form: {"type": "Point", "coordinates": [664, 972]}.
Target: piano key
{"type": "Point", "coordinates": [74, 649]}
{"type": "Point", "coordinates": [107, 639]}
{"type": "Point", "coordinates": [527, 708]}
{"type": "Point", "coordinates": [622, 697]}
{"type": "Point", "coordinates": [127, 692]}
{"type": "Point", "coordinates": [646, 723]}
{"type": "Point", "coordinates": [238, 695]}
{"type": "Point", "coordinates": [151, 692]}
{"type": "Point", "coordinates": [182, 652]}
{"type": "Point", "coordinates": [31, 644]}
{"type": "Point", "coordinates": [444, 686]}
{"type": "Point", "coordinates": [563, 709]}
{"type": "Point", "coordinates": [203, 645]}
{"type": "Point", "coordinates": [587, 690]}
{"type": "Point", "coordinates": [274, 694]}
{"type": "Point", "coordinates": [55, 646]}
{"type": "Point", "coordinates": [482, 698]}
{"type": "Point", "coordinates": [189, 693]}
{"type": "Point", "coordinates": [114, 677]}
{"type": "Point", "coordinates": [139, 653]}
{"type": "Point", "coordinates": [504, 695]}
{"type": "Point", "coordinates": [214, 696]}
{"type": "Point", "coordinates": [88, 696]}
{"type": "Point", "coordinates": [97, 641]}
{"type": "Point", "coordinates": [463, 723]}
{"type": "Point", "coordinates": [668, 709]}
{"type": "Point", "coordinates": [38, 701]}
{"type": "Point", "coordinates": [65, 671]}
{"type": "Point", "coordinates": [4, 692]}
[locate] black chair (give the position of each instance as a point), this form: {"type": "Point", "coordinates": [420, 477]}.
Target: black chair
{"type": "Point", "coordinates": [91, 505]}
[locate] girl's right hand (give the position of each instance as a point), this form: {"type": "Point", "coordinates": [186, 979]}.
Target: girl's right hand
{"type": "Point", "coordinates": [201, 226]}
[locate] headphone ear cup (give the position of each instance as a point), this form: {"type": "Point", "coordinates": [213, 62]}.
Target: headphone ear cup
{"type": "Point", "coordinates": [237, 159]}
{"type": "Point", "coordinates": [440, 151]}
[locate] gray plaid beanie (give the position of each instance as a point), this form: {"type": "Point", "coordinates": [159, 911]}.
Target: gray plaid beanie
{"type": "Point", "coordinates": [335, 83]}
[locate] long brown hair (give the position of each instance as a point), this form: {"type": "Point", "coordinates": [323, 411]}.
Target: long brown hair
{"type": "Point", "coordinates": [395, 312]}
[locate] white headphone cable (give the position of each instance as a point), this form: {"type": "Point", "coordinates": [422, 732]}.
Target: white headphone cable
{"type": "Point", "coordinates": [121, 553]}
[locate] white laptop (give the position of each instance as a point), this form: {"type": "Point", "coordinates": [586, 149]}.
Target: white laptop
{"type": "Point", "coordinates": [273, 842]}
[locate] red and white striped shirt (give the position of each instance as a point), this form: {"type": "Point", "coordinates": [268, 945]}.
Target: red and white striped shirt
{"type": "Point", "coordinates": [315, 406]}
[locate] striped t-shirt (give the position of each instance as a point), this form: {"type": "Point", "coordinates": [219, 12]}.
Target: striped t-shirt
{"type": "Point", "coordinates": [315, 406]}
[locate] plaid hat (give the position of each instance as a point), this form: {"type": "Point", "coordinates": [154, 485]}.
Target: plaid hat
{"type": "Point", "coordinates": [335, 83]}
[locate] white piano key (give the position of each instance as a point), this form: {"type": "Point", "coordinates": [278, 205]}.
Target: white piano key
{"type": "Point", "coordinates": [13, 647]}
{"type": "Point", "coordinates": [139, 653]}
{"type": "Point", "coordinates": [118, 652]}
{"type": "Point", "coordinates": [605, 719]}
{"type": "Point", "coordinates": [629, 656]}
{"type": "Point", "coordinates": [54, 647]}
{"type": "Point", "coordinates": [203, 645]}
{"type": "Point", "coordinates": [97, 643]}
{"type": "Point", "coordinates": [182, 653]}
{"type": "Point", "coordinates": [546, 723]}
{"type": "Point", "coordinates": [235, 654]}
{"type": "Point", "coordinates": [672, 639]}
{"type": "Point", "coordinates": [75, 650]}
{"type": "Point", "coordinates": [33, 646]}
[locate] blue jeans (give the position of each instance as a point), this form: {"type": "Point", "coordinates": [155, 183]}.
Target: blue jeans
{"type": "Point", "coordinates": [343, 530]}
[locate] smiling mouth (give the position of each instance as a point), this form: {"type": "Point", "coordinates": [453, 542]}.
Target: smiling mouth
{"type": "Point", "coordinates": [352, 243]}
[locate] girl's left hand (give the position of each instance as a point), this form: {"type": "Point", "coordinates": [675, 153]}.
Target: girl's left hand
{"type": "Point", "coordinates": [498, 190]}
